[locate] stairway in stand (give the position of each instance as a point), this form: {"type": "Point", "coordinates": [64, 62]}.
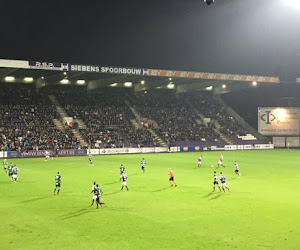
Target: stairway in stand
{"type": "Point", "coordinates": [137, 124]}
{"type": "Point", "coordinates": [59, 124]}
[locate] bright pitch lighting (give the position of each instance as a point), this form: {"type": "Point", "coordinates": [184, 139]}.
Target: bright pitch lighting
{"type": "Point", "coordinates": [224, 86]}
{"type": "Point", "coordinates": [171, 85]}
{"type": "Point", "coordinates": [80, 82]}
{"type": "Point", "coordinates": [9, 78]}
{"type": "Point", "coordinates": [114, 84]}
{"type": "Point", "coordinates": [64, 81]}
{"type": "Point", "coordinates": [170, 79]}
{"type": "Point", "coordinates": [142, 82]}
{"type": "Point", "coordinates": [254, 84]}
{"type": "Point", "coordinates": [28, 79]}
{"type": "Point", "coordinates": [210, 88]}
{"type": "Point", "coordinates": [295, 4]}
{"type": "Point", "coordinates": [128, 84]}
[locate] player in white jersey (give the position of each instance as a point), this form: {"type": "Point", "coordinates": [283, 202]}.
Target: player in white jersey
{"type": "Point", "coordinates": [237, 171]}
{"type": "Point", "coordinates": [216, 182]}
{"type": "Point", "coordinates": [199, 161]}
{"type": "Point", "coordinates": [90, 159]}
{"type": "Point", "coordinates": [94, 187]}
{"type": "Point", "coordinates": [223, 182]}
{"type": "Point", "coordinates": [15, 172]}
{"type": "Point", "coordinates": [143, 162]}
{"type": "Point", "coordinates": [47, 155]}
{"type": "Point", "coordinates": [124, 179]}
{"type": "Point", "coordinates": [220, 162]}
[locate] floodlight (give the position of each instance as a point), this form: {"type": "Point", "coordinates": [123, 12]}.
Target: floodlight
{"type": "Point", "coordinates": [114, 84]}
{"type": "Point", "coordinates": [224, 86]}
{"type": "Point", "coordinates": [171, 85]}
{"type": "Point", "coordinates": [80, 82]}
{"type": "Point", "coordinates": [65, 73]}
{"type": "Point", "coordinates": [142, 82]}
{"type": "Point", "coordinates": [9, 78]}
{"type": "Point", "coordinates": [128, 84]}
{"type": "Point", "coordinates": [28, 79]}
{"type": "Point", "coordinates": [209, 88]}
{"type": "Point", "coordinates": [254, 84]}
{"type": "Point", "coordinates": [170, 79]}
{"type": "Point", "coordinates": [64, 81]}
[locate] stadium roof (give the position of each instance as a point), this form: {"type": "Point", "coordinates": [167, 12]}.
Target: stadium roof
{"type": "Point", "coordinates": [104, 76]}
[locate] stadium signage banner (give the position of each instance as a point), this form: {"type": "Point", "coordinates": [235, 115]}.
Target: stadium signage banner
{"type": "Point", "coordinates": [125, 71]}
{"type": "Point", "coordinates": [211, 76]}
{"type": "Point", "coordinates": [48, 65]}
{"type": "Point", "coordinates": [110, 70]}
{"type": "Point", "coordinates": [278, 121]}
{"type": "Point", "coordinates": [41, 153]}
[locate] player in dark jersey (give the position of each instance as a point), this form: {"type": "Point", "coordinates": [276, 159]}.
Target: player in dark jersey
{"type": "Point", "coordinates": [199, 161]}
{"type": "Point", "coordinates": [124, 179]}
{"type": "Point", "coordinates": [216, 182]}
{"type": "Point", "coordinates": [93, 191]}
{"type": "Point", "coordinates": [237, 170]}
{"type": "Point", "coordinates": [223, 182]}
{"type": "Point", "coordinates": [143, 162]}
{"type": "Point", "coordinates": [122, 170]}
{"type": "Point", "coordinates": [57, 183]}
{"type": "Point", "coordinates": [10, 173]}
{"type": "Point", "coordinates": [98, 192]}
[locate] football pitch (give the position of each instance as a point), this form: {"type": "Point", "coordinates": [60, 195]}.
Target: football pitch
{"type": "Point", "coordinates": [261, 212]}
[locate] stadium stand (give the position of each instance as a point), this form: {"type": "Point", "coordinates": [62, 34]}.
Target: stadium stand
{"type": "Point", "coordinates": [26, 121]}
{"type": "Point", "coordinates": [189, 119]}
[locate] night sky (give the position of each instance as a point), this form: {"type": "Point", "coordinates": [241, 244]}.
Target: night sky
{"type": "Point", "coordinates": [230, 36]}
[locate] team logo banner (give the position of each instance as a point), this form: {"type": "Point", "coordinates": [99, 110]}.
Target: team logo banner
{"type": "Point", "coordinates": [278, 121]}
{"type": "Point", "coordinates": [48, 65]}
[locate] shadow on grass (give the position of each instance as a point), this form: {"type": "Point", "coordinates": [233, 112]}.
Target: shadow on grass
{"type": "Point", "coordinates": [217, 196]}
{"type": "Point", "coordinates": [209, 194]}
{"type": "Point", "coordinates": [106, 194]}
{"type": "Point", "coordinates": [159, 190]}
{"type": "Point", "coordinates": [76, 213]}
{"type": "Point", "coordinates": [35, 199]}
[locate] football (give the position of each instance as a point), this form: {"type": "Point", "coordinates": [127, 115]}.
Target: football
{"type": "Point", "coordinates": [212, 166]}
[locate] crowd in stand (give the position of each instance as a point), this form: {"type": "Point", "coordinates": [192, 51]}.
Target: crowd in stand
{"type": "Point", "coordinates": [26, 118]}
{"type": "Point", "coordinates": [176, 120]}
{"type": "Point", "coordinates": [26, 121]}
{"type": "Point", "coordinates": [210, 108]}
{"type": "Point", "coordinates": [107, 119]}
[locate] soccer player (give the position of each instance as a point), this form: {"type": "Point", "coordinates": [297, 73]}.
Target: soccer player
{"type": "Point", "coordinates": [223, 182]}
{"type": "Point", "coordinates": [171, 180]}
{"type": "Point", "coordinates": [47, 155]}
{"type": "Point", "coordinates": [15, 172]}
{"type": "Point", "coordinates": [122, 169]}
{"type": "Point", "coordinates": [98, 192]}
{"type": "Point", "coordinates": [220, 162]}
{"type": "Point", "coordinates": [199, 161]}
{"type": "Point", "coordinates": [57, 183]}
{"type": "Point", "coordinates": [143, 165]}
{"type": "Point", "coordinates": [90, 159]}
{"type": "Point", "coordinates": [93, 191]}
{"type": "Point", "coordinates": [4, 163]}
{"type": "Point", "coordinates": [237, 171]}
{"type": "Point", "coordinates": [124, 179]}
{"type": "Point", "coordinates": [216, 181]}
{"type": "Point", "coordinates": [9, 168]}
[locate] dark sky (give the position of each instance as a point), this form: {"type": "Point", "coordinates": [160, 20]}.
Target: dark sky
{"type": "Point", "coordinates": [230, 36]}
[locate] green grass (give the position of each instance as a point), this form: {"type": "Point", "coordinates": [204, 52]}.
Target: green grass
{"type": "Point", "coordinates": [262, 212]}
